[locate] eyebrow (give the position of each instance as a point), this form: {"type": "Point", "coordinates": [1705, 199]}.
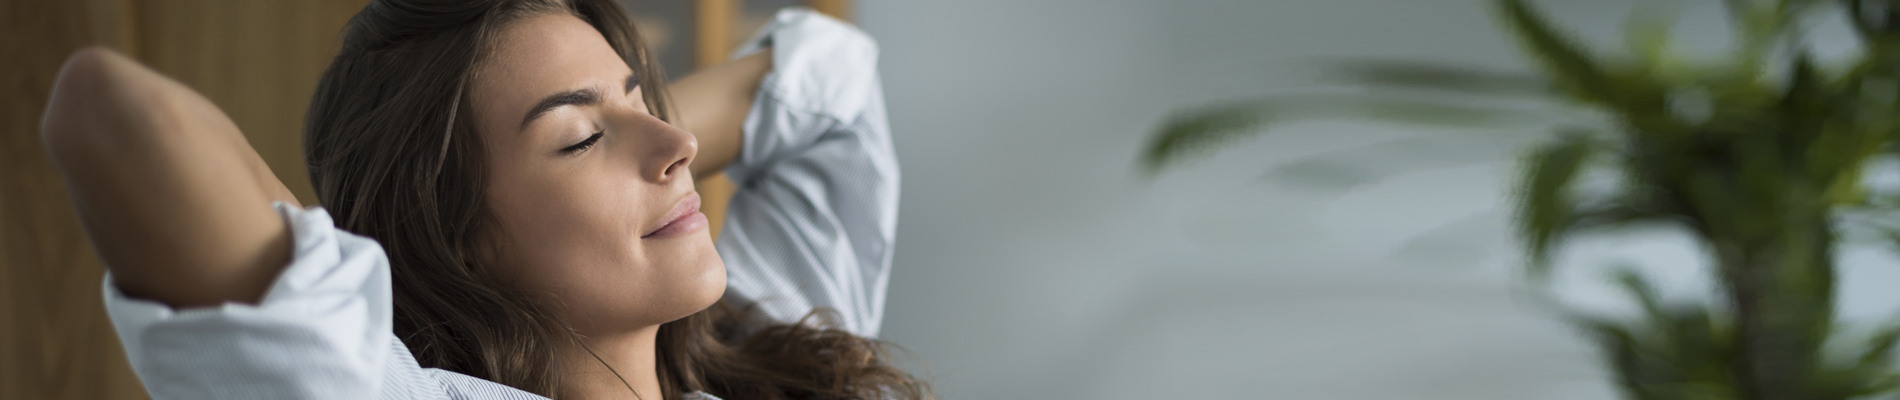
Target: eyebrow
{"type": "Point", "coordinates": [577, 97]}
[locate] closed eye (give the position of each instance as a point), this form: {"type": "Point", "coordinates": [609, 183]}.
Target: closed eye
{"type": "Point", "coordinates": [583, 145]}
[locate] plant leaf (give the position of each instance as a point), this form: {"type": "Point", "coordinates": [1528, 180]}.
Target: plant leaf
{"type": "Point", "coordinates": [1644, 293]}
{"type": "Point", "coordinates": [1546, 206]}
{"type": "Point", "coordinates": [1568, 63]}
{"type": "Point", "coordinates": [1199, 130]}
{"type": "Point", "coordinates": [1647, 32]}
{"type": "Point", "coordinates": [1436, 77]}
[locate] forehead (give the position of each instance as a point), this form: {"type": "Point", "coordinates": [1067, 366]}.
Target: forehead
{"type": "Point", "coordinates": [539, 56]}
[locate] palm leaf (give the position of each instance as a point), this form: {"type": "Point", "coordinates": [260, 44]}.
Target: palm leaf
{"type": "Point", "coordinates": [1435, 77]}
{"type": "Point", "coordinates": [1869, 373]}
{"type": "Point", "coordinates": [1763, 158]}
{"type": "Point", "coordinates": [1200, 130]}
{"type": "Point", "coordinates": [1644, 293]}
{"type": "Point", "coordinates": [1621, 348]}
{"type": "Point", "coordinates": [1561, 57]}
{"type": "Point", "coordinates": [1647, 32]}
{"type": "Point", "coordinates": [1878, 350]}
{"type": "Point", "coordinates": [1546, 204]}
{"type": "Point", "coordinates": [1636, 97]}
{"type": "Point", "coordinates": [1194, 132]}
{"type": "Point", "coordinates": [1858, 18]}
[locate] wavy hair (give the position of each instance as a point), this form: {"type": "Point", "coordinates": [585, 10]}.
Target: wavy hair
{"type": "Point", "coordinates": [392, 153]}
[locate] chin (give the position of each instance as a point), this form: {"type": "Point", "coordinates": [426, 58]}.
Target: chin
{"type": "Point", "coordinates": [706, 285]}
{"type": "Point", "coordinates": [713, 282]}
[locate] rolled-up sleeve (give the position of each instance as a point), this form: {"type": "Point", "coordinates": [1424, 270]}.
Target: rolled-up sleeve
{"type": "Point", "coordinates": [813, 220]}
{"type": "Point", "coordinates": [322, 331]}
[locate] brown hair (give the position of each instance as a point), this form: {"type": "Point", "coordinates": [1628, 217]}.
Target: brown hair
{"type": "Point", "coordinates": [392, 154]}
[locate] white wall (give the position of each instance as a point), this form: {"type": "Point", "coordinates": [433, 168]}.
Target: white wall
{"type": "Point", "coordinates": [1034, 262]}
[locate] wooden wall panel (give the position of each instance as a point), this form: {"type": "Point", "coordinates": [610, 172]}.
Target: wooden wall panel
{"type": "Point", "coordinates": [55, 342]}
{"type": "Point", "coordinates": [258, 60]}
{"type": "Point", "coordinates": [713, 25]}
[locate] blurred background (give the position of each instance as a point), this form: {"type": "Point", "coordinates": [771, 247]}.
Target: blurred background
{"type": "Point", "coordinates": [1326, 260]}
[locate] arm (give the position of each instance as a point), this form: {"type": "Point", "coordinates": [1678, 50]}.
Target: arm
{"type": "Point", "coordinates": [179, 207]}
{"type": "Point", "coordinates": [174, 199]}
{"type": "Point", "coordinates": [814, 218]}
{"type": "Point", "coordinates": [713, 103]}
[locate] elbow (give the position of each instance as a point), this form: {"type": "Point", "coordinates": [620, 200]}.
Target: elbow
{"type": "Point", "coordinates": [76, 90]}
{"type": "Point", "coordinates": [86, 108]}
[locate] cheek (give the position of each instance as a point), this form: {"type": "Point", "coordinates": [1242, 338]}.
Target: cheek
{"type": "Point", "coordinates": [563, 227]}
{"type": "Point", "coordinates": [575, 238]}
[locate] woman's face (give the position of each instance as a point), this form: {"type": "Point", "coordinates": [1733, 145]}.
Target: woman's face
{"type": "Point", "coordinates": [596, 212]}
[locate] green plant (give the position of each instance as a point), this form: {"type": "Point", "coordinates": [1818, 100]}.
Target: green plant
{"type": "Point", "coordinates": [1757, 155]}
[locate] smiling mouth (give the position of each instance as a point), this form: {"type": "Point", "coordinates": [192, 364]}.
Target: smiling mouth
{"type": "Point", "coordinates": [684, 217]}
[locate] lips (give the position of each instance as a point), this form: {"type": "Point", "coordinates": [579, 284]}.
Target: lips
{"type": "Point", "coordinates": [683, 218]}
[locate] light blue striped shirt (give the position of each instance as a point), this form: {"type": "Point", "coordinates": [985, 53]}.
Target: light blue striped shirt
{"type": "Point", "coordinates": [810, 226]}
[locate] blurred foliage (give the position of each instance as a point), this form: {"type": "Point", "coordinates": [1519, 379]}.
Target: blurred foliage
{"type": "Point", "coordinates": [1756, 153]}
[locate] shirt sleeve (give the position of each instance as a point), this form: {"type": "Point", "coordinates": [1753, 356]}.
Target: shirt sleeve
{"type": "Point", "coordinates": [812, 222]}
{"type": "Point", "coordinates": [322, 330]}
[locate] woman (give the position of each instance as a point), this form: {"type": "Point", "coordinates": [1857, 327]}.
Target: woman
{"type": "Point", "coordinates": [524, 193]}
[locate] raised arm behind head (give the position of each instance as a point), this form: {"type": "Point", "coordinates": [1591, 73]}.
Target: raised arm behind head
{"type": "Point", "coordinates": [176, 202]}
{"type": "Point", "coordinates": [713, 103]}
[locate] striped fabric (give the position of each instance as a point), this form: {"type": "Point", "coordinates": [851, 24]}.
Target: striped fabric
{"type": "Point", "coordinates": [812, 223]}
{"type": "Point", "coordinates": [810, 227]}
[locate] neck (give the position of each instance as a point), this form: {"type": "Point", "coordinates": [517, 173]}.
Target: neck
{"type": "Point", "coordinates": [632, 355]}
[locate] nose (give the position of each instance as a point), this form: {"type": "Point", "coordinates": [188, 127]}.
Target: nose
{"type": "Point", "coordinates": [665, 151]}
